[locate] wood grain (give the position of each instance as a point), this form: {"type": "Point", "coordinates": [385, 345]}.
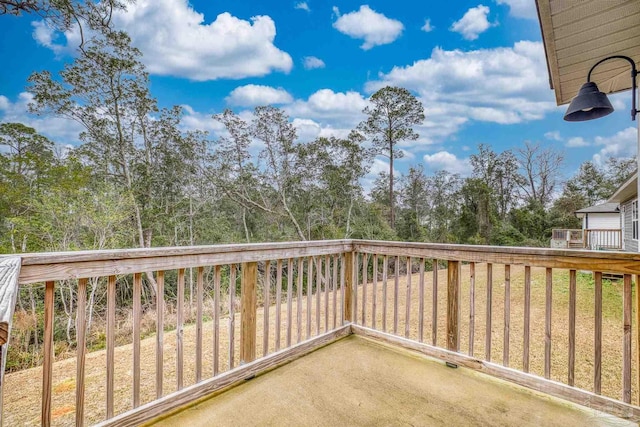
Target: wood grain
{"type": "Point", "coordinates": [385, 285]}
{"type": "Point", "coordinates": [216, 320]}
{"type": "Point", "coordinates": [327, 288]}
{"type": "Point", "coordinates": [180, 331]}
{"type": "Point", "coordinates": [199, 302]}
{"type": "Point", "coordinates": [232, 314]}
{"type": "Point", "coordinates": [421, 302]}
{"type": "Point", "coordinates": [348, 287]}
{"type": "Point", "coordinates": [365, 268]}
{"type": "Point", "coordinates": [396, 294]}
{"type": "Point", "coordinates": [434, 302]}
{"type": "Point", "coordinates": [159, 334]}
{"type": "Point", "coordinates": [472, 306]}
{"type": "Point", "coordinates": [81, 349]}
{"type": "Point", "coordinates": [407, 314]}
{"type": "Point", "coordinates": [47, 363]}
{"type": "Point", "coordinates": [309, 293]}
{"type": "Point", "coordinates": [488, 330]}
{"type": "Point", "coordinates": [289, 301]}
{"type": "Point", "coordinates": [527, 318]}
{"type": "Point", "coordinates": [597, 346]}
{"type": "Point", "coordinates": [248, 307]}
{"type": "Point", "coordinates": [300, 284]}
{"type": "Point", "coordinates": [110, 344]}
{"type": "Point", "coordinates": [278, 303]}
{"type": "Point", "coordinates": [267, 302]}
{"type": "Point", "coordinates": [547, 323]}
{"type": "Point", "coordinates": [507, 315]}
{"type": "Point", "coordinates": [572, 328]}
{"type": "Point", "coordinates": [626, 340]}
{"type": "Point", "coordinates": [453, 305]}
{"type": "Point", "coordinates": [335, 292]}
{"type": "Point", "coordinates": [137, 319]}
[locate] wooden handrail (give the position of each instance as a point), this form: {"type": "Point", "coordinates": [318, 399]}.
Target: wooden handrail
{"type": "Point", "coordinates": [9, 273]}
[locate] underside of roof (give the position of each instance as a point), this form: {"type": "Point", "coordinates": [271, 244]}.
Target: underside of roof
{"type": "Point", "coordinates": [626, 191]}
{"type": "Point", "coordinates": [579, 33]}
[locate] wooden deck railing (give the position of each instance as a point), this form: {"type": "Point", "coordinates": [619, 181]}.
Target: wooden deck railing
{"type": "Point", "coordinates": [468, 305]}
{"type": "Point", "coordinates": [598, 239]}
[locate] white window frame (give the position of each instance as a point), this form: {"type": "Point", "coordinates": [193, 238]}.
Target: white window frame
{"type": "Point", "coordinates": [634, 220]}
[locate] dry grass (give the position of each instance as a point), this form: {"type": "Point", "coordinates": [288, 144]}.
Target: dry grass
{"type": "Point", "coordinates": [22, 398]}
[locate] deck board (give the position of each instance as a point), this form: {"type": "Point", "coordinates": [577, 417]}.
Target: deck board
{"type": "Point", "coordinates": [359, 382]}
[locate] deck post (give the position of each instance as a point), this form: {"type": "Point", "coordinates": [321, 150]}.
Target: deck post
{"type": "Point", "coordinates": [348, 287]}
{"type": "Point", "coordinates": [453, 305]}
{"type": "Point", "coordinates": [248, 312]}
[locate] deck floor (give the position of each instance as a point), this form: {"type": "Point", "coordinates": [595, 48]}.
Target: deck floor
{"type": "Point", "coordinates": [358, 382]}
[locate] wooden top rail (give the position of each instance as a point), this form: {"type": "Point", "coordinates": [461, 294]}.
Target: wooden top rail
{"type": "Point", "coordinates": [619, 262]}
{"type": "Point", "coordinates": [82, 264]}
{"type": "Point", "coordinates": [9, 272]}
{"type": "Point", "coordinates": [40, 267]}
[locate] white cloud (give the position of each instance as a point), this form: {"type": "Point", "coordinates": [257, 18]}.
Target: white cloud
{"type": "Point", "coordinates": [194, 120]}
{"type": "Point", "coordinates": [427, 27]}
{"type": "Point", "coordinates": [302, 6]}
{"type": "Point", "coordinates": [311, 62]}
{"type": "Point", "coordinates": [175, 40]}
{"type": "Point", "coordinates": [622, 144]}
{"type": "Point", "coordinates": [553, 135]}
{"type": "Point", "coordinates": [576, 142]}
{"type": "Point", "coordinates": [57, 129]}
{"type": "Point", "coordinates": [443, 160]}
{"type": "Point", "coordinates": [340, 109]}
{"type": "Point", "coordinates": [521, 8]}
{"type": "Point", "coordinates": [473, 23]}
{"type": "Point", "coordinates": [308, 130]}
{"type": "Point", "coordinates": [502, 85]}
{"type": "Point", "coordinates": [253, 95]}
{"type": "Point", "coordinates": [366, 24]}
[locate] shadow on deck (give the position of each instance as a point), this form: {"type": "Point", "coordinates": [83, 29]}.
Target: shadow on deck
{"type": "Point", "coordinates": [357, 381]}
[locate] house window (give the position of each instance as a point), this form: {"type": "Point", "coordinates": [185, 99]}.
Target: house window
{"type": "Point", "coordinates": [634, 220]}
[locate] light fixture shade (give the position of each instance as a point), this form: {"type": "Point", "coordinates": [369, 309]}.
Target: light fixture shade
{"type": "Point", "coordinates": [589, 104]}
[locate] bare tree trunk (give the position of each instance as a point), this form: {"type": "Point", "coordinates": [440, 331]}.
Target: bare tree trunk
{"type": "Point", "coordinates": [392, 214]}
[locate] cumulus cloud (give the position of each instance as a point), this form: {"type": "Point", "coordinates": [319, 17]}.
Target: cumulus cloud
{"type": "Point", "coordinates": [621, 144]}
{"type": "Point", "coordinates": [576, 142]}
{"type": "Point", "coordinates": [57, 129]}
{"type": "Point", "coordinates": [473, 23]}
{"type": "Point", "coordinates": [311, 62]}
{"type": "Point", "coordinates": [366, 24]}
{"type": "Point", "coordinates": [253, 95]}
{"type": "Point", "coordinates": [427, 27]}
{"type": "Point", "coordinates": [553, 135]}
{"type": "Point", "coordinates": [341, 109]}
{"type": "Point", "coordinates": [302, 6]}
{"type": "Point", "coordinates": [501, 85]}
{"type": "Point", "coordinates": [175, 40]}
{"type": "Point", "coordinates": [443, 160]}
{"type": "Point", "coordinates": [521, 8]}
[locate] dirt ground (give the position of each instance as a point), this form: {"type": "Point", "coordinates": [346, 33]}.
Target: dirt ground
{"type": "Point", "coordinates": [22, 403]}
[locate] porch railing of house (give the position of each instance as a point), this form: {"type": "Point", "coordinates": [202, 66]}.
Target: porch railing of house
{"type": "Point", "coordinates": [286, 299]}
{"type": "Point", "coordinates": [597, 239]}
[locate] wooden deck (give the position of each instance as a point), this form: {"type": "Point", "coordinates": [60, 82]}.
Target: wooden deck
{"type": "Point", "coordinates": [360, 382]}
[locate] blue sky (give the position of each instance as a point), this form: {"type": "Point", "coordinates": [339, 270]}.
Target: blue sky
{"type": "Point", "coordinates": [478, 68]}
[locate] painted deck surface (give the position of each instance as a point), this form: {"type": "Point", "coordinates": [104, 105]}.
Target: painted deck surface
{"type": "Point", "coordinates": [359, 382]}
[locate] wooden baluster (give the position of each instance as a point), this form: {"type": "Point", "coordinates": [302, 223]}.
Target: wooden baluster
{"type": "Point", "coordinates": [110, 344]}
{"type": "Point", "coordinates": [248, 308]}
{"type": "Point", "coordinates": [199, 297]}
{"type": "Point", "coordinates": [355, 287]}
{"type": "Point", "coordinates": [159, 333]}
{"type": "Point", "coordinates": [453, 305]}
{"type": "Point", "coordinates": [487, 344]}
{"type": "Point", "coordinates": [289, 300]}
{"type": "Point", "coordinates": [335, 291]}
{"type": "Point", "coordinates": [278, 302]}
{"type": "Point", "coordinates": [180, 331]}
{"type": "Point", "coordinates": [385, 267]}
{"type": "Point", "coordinates": [318, 293]}
{"type": "Point", "coordinates": [597, 360]}
{"type": "Point", "coordinates": [81, 350]}
{"type": "Point", "coordinates": [472, 306]}
{"type": "Point", "coordinates": [300, 284]}
{"type": "Point", "coordinates": [572, 327]}
{"type": "Point", "coordinates": [626, 346]}
{"type": "Point", "coordinates": [365, 268]}
{"type": "Point", "coordinates": [267, 302]}
{"type": "Point", "coordinates": [407, 314]}
{"type": "Point", "coordinates": [434, 305]}
{"type": "Point", "coordinates": [47, 363]}
{"type": "Point", "coordinates": [421, 302]}
{"type": "Point", "coordinates": [527, 318]}
{"type": "Point", "coordinates": [342, 291]}
{"type": "Point", "coordinates": [396, 297]}
{"type": "Point", "coordinates": [507, 315]}
{"type": "Point", "coordinates": [374, 291]}
{"type": "Point", "coordinates": [137, 318]}
{"type": "Point", "coordinates": [232, 314]}
{"type": "Point", "coordinates": [547, 323]}
{"type": "Point", "coordinates": [327, 287]}
{"type": "Point", "coordinates": [309, 293]}
{"type": "Point", "coordinates": [347, 287]}
{"type": "Point", "coordinates": [216, 320]}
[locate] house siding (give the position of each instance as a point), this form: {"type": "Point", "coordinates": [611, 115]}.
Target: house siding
{"type": "Point", "coordinates": [602, 221]}
{"type": "Point", "coordinates": [630, 245]}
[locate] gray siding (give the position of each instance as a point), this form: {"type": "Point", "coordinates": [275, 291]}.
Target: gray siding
{"type": "Point", "coordinates": [630, 245]}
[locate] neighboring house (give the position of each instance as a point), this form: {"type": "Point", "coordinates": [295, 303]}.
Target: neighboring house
{"type": "Point", "coordinates": [601, 226]}
{"type": "Point", "coordinates": [627, 197]}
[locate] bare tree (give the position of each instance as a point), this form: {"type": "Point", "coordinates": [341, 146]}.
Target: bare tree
{"type": "Point", "coordinates": [541, 170]}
